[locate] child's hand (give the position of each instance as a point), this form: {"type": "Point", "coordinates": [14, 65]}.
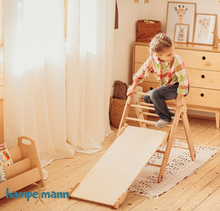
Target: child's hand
{"type": "Point", "coordinates": [131, 90]}
{"type": "Point", "coordinates": [179, 101]}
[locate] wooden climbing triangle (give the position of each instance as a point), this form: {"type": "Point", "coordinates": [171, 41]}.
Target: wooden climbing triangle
{"type": "Point", "coordinates": [108, 181]}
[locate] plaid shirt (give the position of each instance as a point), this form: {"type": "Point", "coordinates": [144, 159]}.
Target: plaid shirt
{"type": "Point", "coordinates": [167, 73]}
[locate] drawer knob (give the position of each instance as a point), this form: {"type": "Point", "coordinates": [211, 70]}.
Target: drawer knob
{"type": "Point", "coordinates": [202, 95]}
{"type": "Point", "coordinates": [202, 76]}
{"type": "Point", "coordinates": [151, 88]}
{"type": "Point", "coordinates": [203, 58]}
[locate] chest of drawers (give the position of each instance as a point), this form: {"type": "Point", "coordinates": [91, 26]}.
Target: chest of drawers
{"type": "Point", "coordinates": [203, 68]}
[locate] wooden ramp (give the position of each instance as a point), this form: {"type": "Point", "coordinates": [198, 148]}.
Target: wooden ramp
{"type": "Point", "coordinates": [109, 179]}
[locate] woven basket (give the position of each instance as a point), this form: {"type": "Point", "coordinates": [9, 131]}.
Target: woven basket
{"type": "Point", "coordinates": [145, 30]}
{"type": "Point", "coordinates": [116, 111]}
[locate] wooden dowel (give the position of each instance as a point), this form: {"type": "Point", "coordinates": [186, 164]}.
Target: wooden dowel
{"type": "Point", "coordinates": [173, 117]}
{"type": "Point", "coordinates": [146, 104]}
{"type": "Point", "coordinates": [180, 137]}
{"type": "Point", "coordinates": [144, 107]}
{"type": "Point", "coordinates": [145, 121]}
{"type": "Point", "coordinates": [142, 93]}
{"type": "Point", "coordinates": [180, 147]}
{"type": "Point", "coordinates": [181, 128]}
{"type": "Point", "coordinates": [159, 151]}
{"type": "Point", "coordinates": [149, 114]}
{"type": "Point", "coordinates": [152, 164]}
{"type": "Point", "coordinates": [150, 104]}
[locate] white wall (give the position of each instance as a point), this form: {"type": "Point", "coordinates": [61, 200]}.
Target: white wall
{"type": "Point", "coordinates": [124, 38]}
{"type": "Point", "coordinates": [157, 10]}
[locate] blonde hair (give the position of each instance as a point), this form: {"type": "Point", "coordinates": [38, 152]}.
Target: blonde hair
{"type": "Point", "coordinates": [159, 43]}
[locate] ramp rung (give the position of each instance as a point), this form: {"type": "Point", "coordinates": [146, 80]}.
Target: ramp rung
{"type": "Point", "coordinates": [159, 151]}
{"type": "Point", "coordinates": [180, 137]}
{"type": "Point", "coordinates": [180, 147]}
{"type": "Point", "coordinates": [145, 121]}
{"type": "Point", "coordinates": [152, 164]}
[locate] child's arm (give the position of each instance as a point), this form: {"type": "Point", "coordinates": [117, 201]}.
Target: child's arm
{"type": "Point", "coordinates": [131, 89]}
{"type": "Point", "coordinates": [179, 101]}
{"type": "Point", "coordinates": [183, 80]}
{"type": "Point", "coordinates": [140, 75]}
{"type": "Point", "coordinates": [180, 71]}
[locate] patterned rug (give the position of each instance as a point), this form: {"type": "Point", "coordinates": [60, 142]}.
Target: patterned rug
{"type": "Point", "coordinates": [179, 166]}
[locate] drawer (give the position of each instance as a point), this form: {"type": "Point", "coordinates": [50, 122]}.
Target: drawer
{"type": "Point", "coordinates": [203, 97]}
{"type": "Point", "coordinates": [200, 59]}
{"type": "Point", "coordinates": [141, 53]}
{"type": "Point", "coordinates": [1, 92]}
{"type": "Point", "coordinates": [151, 77]}
{"type": "Point", "coordinates": [204, 78]}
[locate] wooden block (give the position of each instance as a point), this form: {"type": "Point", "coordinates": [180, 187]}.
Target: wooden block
{"type": "Point", "coordinates": [119, 166]}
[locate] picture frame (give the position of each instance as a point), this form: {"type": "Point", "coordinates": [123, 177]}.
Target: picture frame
{"type": "Point", "coordinates": [181, 33]}
{"type": "Point", "coordinates": [182, 13]}
{"type": "Point", "coordinates": [205, 24]}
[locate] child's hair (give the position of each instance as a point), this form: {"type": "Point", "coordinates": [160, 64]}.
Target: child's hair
{"type": "Point", "coordinates": [159, 43]}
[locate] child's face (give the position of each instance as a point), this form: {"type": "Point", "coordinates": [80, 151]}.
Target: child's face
{"type": "Point", "coordinates": [167, 55]}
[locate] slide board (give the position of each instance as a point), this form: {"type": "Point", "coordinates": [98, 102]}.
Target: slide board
{"type": "Point", "coordinates": [119, 166]}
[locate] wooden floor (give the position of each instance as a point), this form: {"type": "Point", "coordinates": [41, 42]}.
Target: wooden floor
{"type": "Point", "coordinates": [200, 191]}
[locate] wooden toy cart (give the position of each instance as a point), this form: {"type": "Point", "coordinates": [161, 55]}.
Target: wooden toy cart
{"type": "Point", "coordinates": [25, 169]}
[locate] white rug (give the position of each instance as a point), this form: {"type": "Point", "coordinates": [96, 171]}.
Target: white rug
{"type": "Point", "coordinates": [179, 166]}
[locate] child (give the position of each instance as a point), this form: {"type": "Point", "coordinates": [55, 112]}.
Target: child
{"type": "Point", "coordinates": [169, 70]}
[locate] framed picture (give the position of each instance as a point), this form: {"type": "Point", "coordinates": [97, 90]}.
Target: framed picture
{"type": "Point", "coordinates": [182, 13]}
{"type": "Point", "coordinates": [204, 26]}
{"type": "Point", "coordinates": [181, 33]}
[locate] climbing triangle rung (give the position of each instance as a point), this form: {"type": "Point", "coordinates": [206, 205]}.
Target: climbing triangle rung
{"type": "Point", "coordinates": [144, 107]}
{"type": "Point", "coordinates": [145, 121]}
{"type": "Point", "coordinates": [154, 114]}
{"type": "Point", "coordinates": [142, 93]}
{"type": "Point", "coordinates": [150, 114]}
{"type": "Point", "coordinates": [151, 105]}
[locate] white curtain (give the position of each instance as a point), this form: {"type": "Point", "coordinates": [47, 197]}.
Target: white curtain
{"type": "Point", "coordinates": [90, 36]}
{"type": "Point", "coordinates": [1, 22]}
{"type": "Point", "coordinates": [34, 98]}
